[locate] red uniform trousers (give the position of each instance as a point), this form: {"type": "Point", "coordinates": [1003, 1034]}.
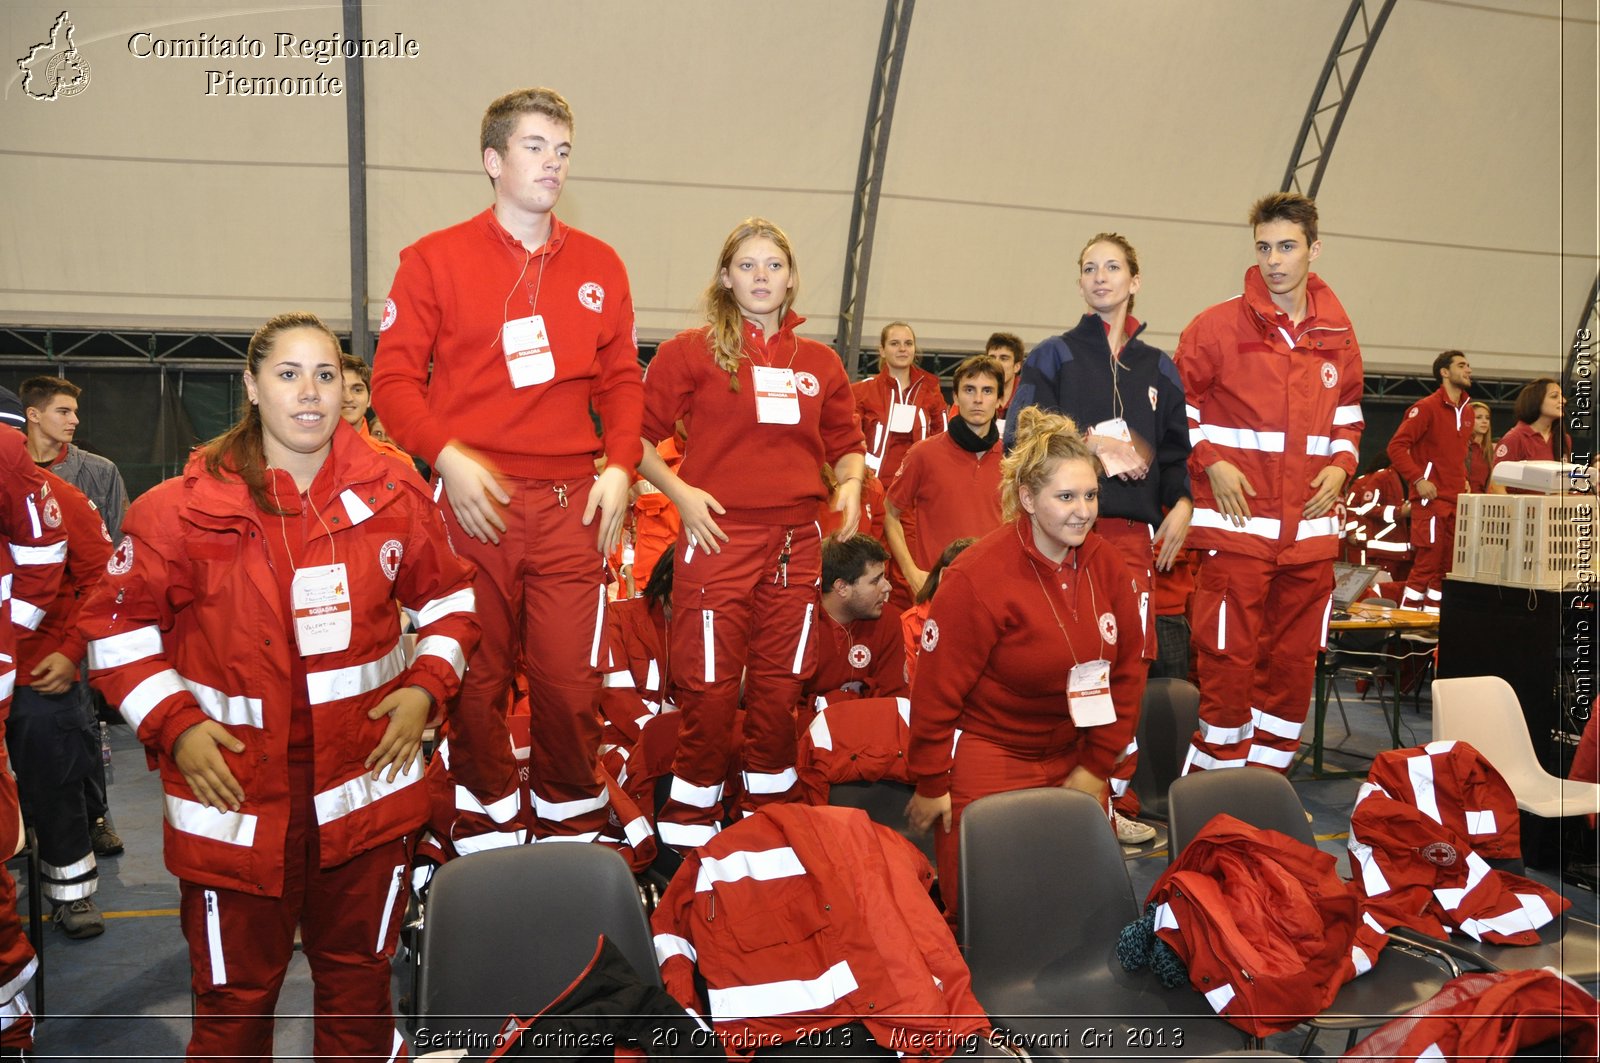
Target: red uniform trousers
{"type": "Point", "coordinates": [744, 610]}
{"type": "Point", "coordinates": [349, 917]}
{"type": "Point", "coordinates": [1133, 540]}
{"type": "Point", "coordinates": [1433, 533]}
{"type": "Point", "coordinates": [981, 768]}
{"type": "Point", "coordinates": [541, 600]}
{"type": "Point", "coordinates": [1257, 629]}
{"type": "Point", "coordinates": [17, 964]}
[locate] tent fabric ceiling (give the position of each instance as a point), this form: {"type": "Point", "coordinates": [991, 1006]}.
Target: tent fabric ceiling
{"type": "Point", "coordinates": [1459, 206]}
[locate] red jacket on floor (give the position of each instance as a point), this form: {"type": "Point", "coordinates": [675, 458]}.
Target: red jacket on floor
{"type": "Point", "coordinates": [440, 372]}
{"type": "Point", "coordinates": [1282, 402]}
{"type": "Point", "coordinates": [803, 918]}
{"type": "Point", "coordinates": [189, 625]}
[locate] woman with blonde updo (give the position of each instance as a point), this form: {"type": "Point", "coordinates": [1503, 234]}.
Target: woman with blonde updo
{"type": "Point", "coordinates": [1032, 648]}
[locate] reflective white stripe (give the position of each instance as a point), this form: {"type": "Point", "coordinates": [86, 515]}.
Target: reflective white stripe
{"type": "Point", "coordinates": [792, 996]}
{"type": "Point", "coordinates": [54, 554]}
{"type": "Point", "coordinates": [191, 817]}
{"type": "Point", "coordinates": [1227, 736]}
{"type": "Point", "coordinates": [33, 517]}
{"type": "Point", "coordinates": [1434, 596]}
{"type": "Point", "coordinates": [1238, 438]}
{"type": "Point", "coordinates": [1272, 758]}
{"type": "Point", "coordinates": [1362, 511]}
{"type": "Point", "coordinates": [232, 710]}
{"type": "Point", "coordinates": [599, 628]}
{"type": "Point", "coordinates": [1265, 527]}
{"type": "Point", "coordinates": [821, 737]}
{"type": "Point", "coordinates": [26, 614]}
{"type": "Point", "coordinates": [1360, 960]}
{"type": "Point", "coordinates": [1343, 446]}
{"type": "Point", "coordinates": [1374, 882]}
{"type": "Point", "coordinates": [501, 811]}
{"type": "Point", "coordinates": [670, 945]}
{"type": "Point", "coordinates": [763, 865]}
{"type": "Point", "coordinates": [903, 707]}
{"type": "Point", "coordinates": [72, 870]}
{"type": "Point", "coordinates": [65, 892]}
{"type": "Point", "coordinates": [1420, 772]}
{"type": "Point", "coordinates": [561, 811]}
{"type": "Point", "coordinates": [652, 678]}
{"type": "Point", "coordinates": [622, 680]}
{"type": "Point", "coordinates": [396, 1047]}
{"type": "Point", "coordinates": [5, 587]}
{"type": "Point", "coordinates": [446, 649]}
{"type": "Point", "coordinates": [336, 802]}
{"type": "Point", "coordinates": [1319, 446]}
{"type": "Point", "coordinates": [1191, 412]}
{"type": "Point", "coordinates": [686, 835]}
{"type": "Point", "coordinates": [1533, 914]}
{"type": "Point", "coordinates": [219, 967]}
{"type": "Point", "coordinates": [805, 633]}
{"type": "Point", "coordinates": [1433, 530]}
{"type": "Point", "coordinates": [591, 836]}
{"type": "Point", "coordinates": [1220, 998]}
{"type": "Point", "coordinates": [1432, 1054]}
{"type": "Point", "coordinates": [1275, 725]}
{"type": "Point", "coordinates": [462, 601]}
{"type": "Point", "coordinates": [1310, 529]}
{"type": "Point", "coordinates": [708, 640]}
{"type": "Point", "coordinates": [8, 684]}
{"type": "Point", "coordinates": [687, 793]}
{"type": "Point", "coordinates": [1165, 917]}
{"type": "Point", "coordinates": [637, 830]}
{"type": "Point", "coordinates": [395, 879]}
{"type": "Point", "coordinates": [1327, 618]}
{"type": "Point", "coordinates": [11, 993]}
{"type": "Point", "coordinates": [152, 691]}
{"type": "Point", "coordinates": [114, 651]}
{"type": "Point", "coordinates": [1481, 822]}
{"type": "Point", "coordinates": [336, 684]}
{"type": "Point", "coordinates": [1347, 415]}
{"type": "Point", "coordinates": [1290, 341]}
{"type": "Point", "coordinates": [1394, 548]}
{"type": "Point", "coordinates": [764, 782]}
{"type": "Point", "coordinates": [1366, 917]}
{"type": "Point", "coordinates": [1222, 623]}
{"type": "Point", "coordinates": [1206, 762]}
{"type": "Point", "coordinates": [494, 839]}
{"type": "Point", "coordinates": [1119, 787]}
{"type": "Point", "coordinates": [354, 508]}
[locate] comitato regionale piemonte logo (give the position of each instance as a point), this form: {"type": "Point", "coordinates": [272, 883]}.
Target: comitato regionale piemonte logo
{"type": "Point", "coordinates": [55, 69]}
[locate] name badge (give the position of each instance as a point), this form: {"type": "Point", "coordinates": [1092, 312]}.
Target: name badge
{"type": "Point", "coordinates": [321, 600]}
{"type": "Point", "coordinates": [1089, 694]}
{"type": "Point", "coordinates": [1116, 428]}
{"type": "Point", "coordinates": [527, 349]}
{"type": "Point", "coordinates": [902, 417]}
{"type": "Point", "coordinates": [777, 397]}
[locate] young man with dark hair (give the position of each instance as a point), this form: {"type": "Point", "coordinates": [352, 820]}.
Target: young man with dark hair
{"type": "Point", "coordinates": [50, 406]}
{"type": "Point", "coordinates": [1265, 488]}
{"type": "Point", "coordinates": [507, 360]}
{"type": "Point", "coordinates": [860, 651]}
{"type": "Point", "coordinates": [951, 482]}
{"type": "Point", "coordinates": [1007, 349]}
{"type": "Point", "coordinates": [1430, 450]}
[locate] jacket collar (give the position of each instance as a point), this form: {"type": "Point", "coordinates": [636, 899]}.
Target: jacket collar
{"type": "Point", "coordinates": [498, 232]}
{"type": "Point", "coordinates": [1323, 309]}
{"type": "Point", "coordinates": [1092, 328]}
{"type": "Point", "coordinates": [1076, 558]}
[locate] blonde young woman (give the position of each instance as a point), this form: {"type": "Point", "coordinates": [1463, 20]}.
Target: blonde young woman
{"type": "Point", "coordinates": [1032, 648]}
{"type": "Point", "coordinates": [1480, 449]}
{"type": "Point", "coordinates": [765, 409]}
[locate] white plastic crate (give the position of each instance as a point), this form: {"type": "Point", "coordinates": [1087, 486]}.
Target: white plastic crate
{"type": "Point", "coordinates": [1552, 538]}
{"type": "Point", "coordinates": [1483, 537]}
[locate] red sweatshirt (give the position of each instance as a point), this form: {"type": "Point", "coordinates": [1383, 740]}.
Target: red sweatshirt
{"type": "Point", "coordinates": [764, 473]}
{"type": "Point", "coordinates": [865, 658]}
{"type": "Point", "coordinates": [88, 548]}
{"type": "Point", "coordinates": [953, 492]}
{"type": "Point", "coordinates": [1431, 444]}
{"type": "Point", "coordinates": [995, 662]}
{"type": "Point", "coordinates": [454, 291]}
{"type": "Point", "coordinates": [874, 398]}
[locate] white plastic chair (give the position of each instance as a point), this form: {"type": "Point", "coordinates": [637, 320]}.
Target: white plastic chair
{"type": "Point", "coordinates": [1483, 710]}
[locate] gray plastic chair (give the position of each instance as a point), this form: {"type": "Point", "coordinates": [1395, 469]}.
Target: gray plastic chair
{"type": "Point", "coordinates": [884, 802]}
{"type": "Point", "coordinates": [1168, 719]}
{"type": "Point", "coordinates": [1044, 895]}
{"type": "Point", "coordinates": [506, 931]}
{"type": "Point", "coordinates": [1398, 982]}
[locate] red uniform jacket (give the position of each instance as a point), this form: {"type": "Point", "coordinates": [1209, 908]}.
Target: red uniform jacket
{"type": "Point", "coordinates": [1489, 1015]}
{"type": "Point", "coordinates": [440, 372]}
{"type": "Point", "coordinates": [1374, 524]}
{"type": "Point", "coordinates": [854, 741]}
{"type": "Point", "coordinates": [1431, 444]}
{"type": "Point", "coordinates": [1267, 929]}
{"type": "Point", "coordinates": [189, 625]}
{"type": "Point", "coordinates": [88, 547]}
{"type": "Point", "coordinates": [802, 918]}
{"type": "Point", "coordinates": [864, 659]}
{"type": "Point", "coordinates": [1479, 462]}
{"type": "Point", "coordinates": [954, 494]}
{"type": "Point", "coordinates": [1424, 825]}
{"type": "Point", "coordinates": [726, 440]}
{"type": "Point", "coordinates": [876, 396]}
{"type": "Point", "coordinates": [1281, 402]}
{"type": "Point", "coordinates": [634, 670]}
{"type": "Point", "coordinates": [995, 662]}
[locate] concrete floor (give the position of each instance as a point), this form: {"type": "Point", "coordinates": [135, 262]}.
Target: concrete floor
{"type": "Point", "coordinates": [125, 995]}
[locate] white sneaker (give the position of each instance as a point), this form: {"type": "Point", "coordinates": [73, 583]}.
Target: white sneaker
{"type": "Point", "coordinates": [1131, 831]}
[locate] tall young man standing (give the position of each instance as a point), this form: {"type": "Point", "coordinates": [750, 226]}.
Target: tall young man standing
{"type": "Point", "coordinates": [1430, 450]}
{"type": "Point", "coordinates": [1273, 386]}
{"type": "Point", "coordinates": [507, 360]}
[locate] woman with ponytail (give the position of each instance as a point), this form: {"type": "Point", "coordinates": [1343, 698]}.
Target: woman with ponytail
{"type": "Point", "coordinates": [764, 409]}
{"type": "Point", "coordinates": [247, 628]}
{"type": "Point", "coordinates": [1032, 648]}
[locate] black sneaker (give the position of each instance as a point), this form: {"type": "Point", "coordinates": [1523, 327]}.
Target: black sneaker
{"type": "Point", "coordinates": [80, 919]}
{"type": "Point", "coordinates": [104, 837]}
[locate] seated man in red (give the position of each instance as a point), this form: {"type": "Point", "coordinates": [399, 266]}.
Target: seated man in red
{"type": "Point", "coordinates": [860, 652]}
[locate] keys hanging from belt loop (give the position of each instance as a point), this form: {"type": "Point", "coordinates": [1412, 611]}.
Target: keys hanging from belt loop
{"type": "Point", "coordinates": [561, 494]}
{"type": "Point", "coordinates": [783, 558]}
